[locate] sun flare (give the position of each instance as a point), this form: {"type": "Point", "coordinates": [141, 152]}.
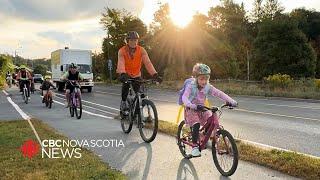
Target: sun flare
{"type": "Point", "coordinates": [181, 12]}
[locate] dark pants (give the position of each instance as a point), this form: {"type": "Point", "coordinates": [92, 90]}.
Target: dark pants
{"type": "Point", "coordinates": [126, 86]}
{"type": "Point", "coordinates": [22, 83]}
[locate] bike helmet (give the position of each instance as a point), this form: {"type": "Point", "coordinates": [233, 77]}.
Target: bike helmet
{"type": "Point", "coordinates": [201, 69]}
{"type": "Point", "coordinates": [22, 67]}
{"type": "Point", "coordinates": [72, 65]}
{"type": "Point", "coordinates": [132, 35]}
{"type": "Point", "coordinates": [47, 77]}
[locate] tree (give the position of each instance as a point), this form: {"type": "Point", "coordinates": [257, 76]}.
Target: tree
{"type": "Point", "coordinates": [309, 23]}
{"type": "Point", "coordinates": [40, 69]}
{"type": "Point", "coordinates": [117, 23]}
{"type": "Point", "coordinates": [281, 47]}
{"type": "Point", "coordinates": [230, 24]}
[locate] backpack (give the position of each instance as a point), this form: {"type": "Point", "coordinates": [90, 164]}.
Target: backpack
{"type": "Point", "coordinates": [193, 91]}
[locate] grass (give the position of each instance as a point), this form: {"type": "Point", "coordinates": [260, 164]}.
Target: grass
{"type": "Point", "coordinates": [14, 166]}
{"type": "Point", "coordinates": [290, 163]}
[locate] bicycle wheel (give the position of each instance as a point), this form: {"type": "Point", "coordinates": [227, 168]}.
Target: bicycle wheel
{"type": "Point", "coordinates": [225, 153]}
{"type": "Point", "coordinates": [78, 107]}
{"type": "Point", "coordinates": [126, 121]}
{"type": "Point", "coordinates": [46, 102]}
{"type": "Point", "coordinates": [49, 102]}
{"type": "Point", "coordinates": [71, 108]}
{"type": "Point", "coordinates": [25, 92]}
{"type": "Point", "coordinates": [148, 126]}
{"type": "Point", "coordinates": [184, 134]}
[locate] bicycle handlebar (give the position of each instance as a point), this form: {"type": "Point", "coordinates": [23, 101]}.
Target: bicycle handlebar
{"type": "Point", "coordinates": [218, 108]}
{"type": "Point", "coordinates": [143, 81]}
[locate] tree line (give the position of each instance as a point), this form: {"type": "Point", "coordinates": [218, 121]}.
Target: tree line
{"type": "Point", "coordinates": [227, 38]}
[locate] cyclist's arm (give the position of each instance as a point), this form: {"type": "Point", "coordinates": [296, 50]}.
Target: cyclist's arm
{"type": "Point", "coordinates": [29, 75]}
{"type": "Point", "coordinates": [121, 63]}
{"type": "Point", "coordinates": [216, 92]}
{"type": "Point", "coordinates": [65, 76]}
{"type": "Point", "coordinates": [80, 76]}
{"type": "Point", "coordinates": [185, 97]}
{"type": "Point", "coordinates": [147, 62]}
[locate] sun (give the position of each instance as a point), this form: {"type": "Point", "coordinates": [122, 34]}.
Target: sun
{"type": "Point", "coordinates": [181, 12]}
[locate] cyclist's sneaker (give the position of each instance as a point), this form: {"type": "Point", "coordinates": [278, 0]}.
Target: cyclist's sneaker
{"type": "Point", "coordinates": [124, 108]}
{"type": "Point", "coordinates": [195, 152]}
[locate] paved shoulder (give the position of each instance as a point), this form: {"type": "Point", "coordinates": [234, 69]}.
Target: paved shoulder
{"type": "Point", "coordinates": [7, 111]}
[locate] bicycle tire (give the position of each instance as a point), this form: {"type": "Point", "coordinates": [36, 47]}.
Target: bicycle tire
{"type": "Point", "coordinates": [126, 118]}
{"type": "Point", "coordinates": [76, 108]}
{"type": "Point", "coordinates": [146, 102]}
{"type": "Point", "coordinates": [234, 166]}
{"type": "Point", "coordinates": [180, 144]}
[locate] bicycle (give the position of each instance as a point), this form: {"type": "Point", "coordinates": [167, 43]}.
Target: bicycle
{"type": "Point", "coordinates": [48, 100]}
{"type": "Point", "coordinates": [75, 100]}
{"type": "Point", "coordinates": [9, 81]}
{"type": "Point", "coordinates": [221, 148]}
{"type": "Point", "coordinates": [142, 111]}
{"type": "Point", "coordinates": [25, 92]}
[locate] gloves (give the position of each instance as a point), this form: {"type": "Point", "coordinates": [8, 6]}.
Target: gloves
{"type": "Point", "coordinates": [200, 107]}
{"type": "Point", "coordinates": [157, 78]}
{"type": "Point", "coordinates": [232, 104]}
{"type": "Point", "coordinates": [123, 77]}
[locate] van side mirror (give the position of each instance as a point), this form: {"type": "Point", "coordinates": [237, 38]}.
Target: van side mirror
{"type": "Point", "coordinates": [61, 68]}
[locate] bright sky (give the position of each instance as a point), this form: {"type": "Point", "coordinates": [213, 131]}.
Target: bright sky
{"type": "Point", "coordinates": [34, 28]}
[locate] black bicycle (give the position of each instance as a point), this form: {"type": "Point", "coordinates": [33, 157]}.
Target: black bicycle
{"type": "Point", "coordinates": [142, 111]}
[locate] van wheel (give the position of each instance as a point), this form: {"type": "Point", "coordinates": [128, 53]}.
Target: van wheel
{"type": "Point", "coordinates": [89, 89]}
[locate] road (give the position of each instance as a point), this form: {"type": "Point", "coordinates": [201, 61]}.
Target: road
{"type": "Point", "coordinates": [162, 159]}
{"type": "Point", "coordinates": [284, 123]}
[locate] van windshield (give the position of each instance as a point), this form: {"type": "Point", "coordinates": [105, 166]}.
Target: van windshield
{"type": "Point", "coordinates": [83, 68]}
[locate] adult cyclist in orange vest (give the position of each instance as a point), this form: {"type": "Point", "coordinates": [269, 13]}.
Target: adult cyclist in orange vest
{"type": "Point", "coordinates": [130, 60]}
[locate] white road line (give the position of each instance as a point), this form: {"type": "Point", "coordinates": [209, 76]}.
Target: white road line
{"type": "Point", "coordinates": [272, 147]}
{"type": "Point", "coordinates": [90, 113]}
{"type": "Point", "coordinates": [280, 115]}
{"type": "Point", "coordinates": [149, 98]}
{"type": "Point", "coordinates": [303, 107]}
{"type": "Point", "coordinates": [5, 92]}
{"type": "Point", "coordinates": [93, 108]}
{"type": "Point", "coordinates": [96, 104]}
{"type": "Point", "coordinates": [24, 116]}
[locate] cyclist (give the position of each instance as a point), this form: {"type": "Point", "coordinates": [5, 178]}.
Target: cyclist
{"type": "Point", "coordinates": [45, 87]}
{"type": "Point", "coordinates": [130, 59]}
{"type": "Point", "coordinates": [9, 78]}
{"type": "Point", "coordinates": [24, 77]}
{"type": "Point", "coordinates": [195, 93]}
{"type": "Point", "coordinates": [73, 75]}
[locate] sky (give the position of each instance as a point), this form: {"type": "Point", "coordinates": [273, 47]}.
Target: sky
{"type": "Point", "coordinates": [35, 28]}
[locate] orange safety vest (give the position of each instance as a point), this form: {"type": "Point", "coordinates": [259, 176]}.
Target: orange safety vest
{"type": "Point", "coordinates": [132, 65]}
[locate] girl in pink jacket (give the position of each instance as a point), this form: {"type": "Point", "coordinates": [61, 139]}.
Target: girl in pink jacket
{"type": "Point", "coordinates": [194, 96]}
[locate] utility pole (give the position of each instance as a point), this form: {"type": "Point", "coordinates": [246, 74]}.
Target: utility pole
{"type": "Point", "coordinates": [248, 66]}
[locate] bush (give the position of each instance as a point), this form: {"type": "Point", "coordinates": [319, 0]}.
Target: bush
{"type": "Point", "coordinates": [317, 83]}
{"type": "Point", "coordinates": [279, 80]}
{"type": "Point", "coordinates": [5, 65]}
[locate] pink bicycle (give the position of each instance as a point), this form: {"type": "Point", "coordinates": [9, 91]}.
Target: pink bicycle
{"type": "Point", "coordinates": [224, 149]}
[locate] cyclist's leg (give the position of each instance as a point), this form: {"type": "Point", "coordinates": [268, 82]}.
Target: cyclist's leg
{"type": "Point", "coordinates": [28, 87]}
{"type": "Point", "coordinates": [125, 91]}
{"type": "Point", "coordinates": [21, 85]}
{"type": "Point", "coordinates": [195, 133]}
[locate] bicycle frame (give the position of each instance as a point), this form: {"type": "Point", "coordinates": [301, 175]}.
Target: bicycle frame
{"type": "Point", "coordinates": [136, 100]}
{"type": "Point", "coordinates": [210, 127]}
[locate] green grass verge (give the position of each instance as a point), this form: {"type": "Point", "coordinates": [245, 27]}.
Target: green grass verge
{"type": "Point", "coordinates": [291, 163]}
{"type": "Point", "coordinates": [14, 166]}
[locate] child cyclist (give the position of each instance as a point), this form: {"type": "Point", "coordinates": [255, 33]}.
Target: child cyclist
{"type": "Point", "coordinates": [194, 96]}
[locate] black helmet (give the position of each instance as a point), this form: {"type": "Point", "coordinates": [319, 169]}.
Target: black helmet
{"type": "Point", "coordinates": [72, 65]}
{"type": "Point", "coordinates": [132, 35]}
